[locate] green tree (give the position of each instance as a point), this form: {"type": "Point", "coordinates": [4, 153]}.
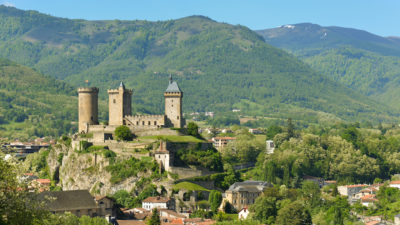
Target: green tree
{"type": "Point", "coordinates": [193, 129]}
{"type": "Point", "coordinates": [215, 199]}
{"type": "Point", "coordinates": [123, 133]}
{"type": "Point", "coordinates": [272, 131]}
{"type": "Point", "coordinates": [265, 209]}
{"type": "Point", "coordinates": [311, 193]}
{"type": "Point", "coordinates": [290, 128]}
{"type": "Point", "coordinates": [16, 205]}
{"type": "Point", "coordinates": [154, 219]}
{"type": "Point", "coordinates": [294, 213]}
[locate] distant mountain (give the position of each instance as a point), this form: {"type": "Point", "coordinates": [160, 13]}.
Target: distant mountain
{"type": "Point", "coordinates": [218, 66]}
{"type": "Point", "coordinates": [32, 104]}
{"type": "Point", "coordinates": [362, 61]}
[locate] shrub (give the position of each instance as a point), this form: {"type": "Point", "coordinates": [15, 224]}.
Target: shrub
{"type": "Point", "coordinates": [123, 133]}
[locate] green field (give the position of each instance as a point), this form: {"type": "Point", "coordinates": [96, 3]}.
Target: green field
{"type": "Point", "coordinates": [171, 138]}
{"type": "Point", "coordinates": [189, 186]}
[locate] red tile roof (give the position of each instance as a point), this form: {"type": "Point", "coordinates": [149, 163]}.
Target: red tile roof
{"type": "Point", "coordinates": [43, 181]}
{"type": "Point", "coordinates": [157, 199]}
{"type": "Point", "coordinates": [395, 182]}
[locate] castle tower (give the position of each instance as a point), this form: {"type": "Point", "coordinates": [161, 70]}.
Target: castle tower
{"type": "Point", "coordinates": [88, 108]}
{"type": "Point", "coordinates": [173, 104]}
{"type": "Point", "coordinates": [120, 105]}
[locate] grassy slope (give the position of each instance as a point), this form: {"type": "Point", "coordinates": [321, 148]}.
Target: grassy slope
{"type": "Point", "coordinates": [218, 66]}
{"type": "Point", "coordinates": [32, 104]}
{"type": "Point", "coordinates": [189, 186]}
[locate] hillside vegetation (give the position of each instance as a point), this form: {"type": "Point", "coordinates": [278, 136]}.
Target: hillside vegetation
{"type": "Point", "coordinates": [32, 104]}
{"type": "Point", "coordinates": [218, 66]}
{"type": "Point", "coordinates": [360, 60]}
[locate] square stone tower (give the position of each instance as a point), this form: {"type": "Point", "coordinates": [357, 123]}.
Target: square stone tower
{"type": "Point", "coordinates": [173, 104]}
{"type": "Point", "coordinates": [120, 105]}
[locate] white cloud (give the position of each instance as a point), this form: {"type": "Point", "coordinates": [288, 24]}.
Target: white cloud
{"type": "Point", "coordinates": [8, 4]}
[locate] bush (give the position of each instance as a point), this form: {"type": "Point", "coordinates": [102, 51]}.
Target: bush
{"type": "Point", "coordinates": [123, 133]}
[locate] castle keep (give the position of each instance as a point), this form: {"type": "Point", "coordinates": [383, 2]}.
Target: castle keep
{"type": "Point", "coordinates": [120, 111]}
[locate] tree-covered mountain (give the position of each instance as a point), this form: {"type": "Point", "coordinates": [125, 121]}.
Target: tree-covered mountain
{"type": "Point", "coordinates": [362, 61]}
{"type": "Point", "coordinates": [218, 66]}
{"type": "Point", "coordinates": [32, 104]}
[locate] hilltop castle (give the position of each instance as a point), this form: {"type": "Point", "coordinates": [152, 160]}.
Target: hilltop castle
{"type": "Point", "coordinates": [120, 111]}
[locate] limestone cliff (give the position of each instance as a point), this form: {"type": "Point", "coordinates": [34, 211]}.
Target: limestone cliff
{"type": "Point", "coordinates": [76, 170]}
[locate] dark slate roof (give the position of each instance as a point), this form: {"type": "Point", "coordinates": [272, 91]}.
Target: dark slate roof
{"type": "Point", "coordinates": [68, 200]}
{"type": "Point", "coordinates": [251, 186]}
{"type": "Point", "coordinates": [173, 87]}
{"type": "Point", "coordinates": [122, 85]}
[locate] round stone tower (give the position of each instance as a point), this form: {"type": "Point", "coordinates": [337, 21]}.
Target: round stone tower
{"type": "Point", "coordinates": [88, 108]}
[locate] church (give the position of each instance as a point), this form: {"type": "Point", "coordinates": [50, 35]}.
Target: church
{"type": "Point", "coordinates": [120, 111]}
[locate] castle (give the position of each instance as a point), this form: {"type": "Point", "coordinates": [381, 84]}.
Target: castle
{"type": "Point", "coordinates": [120, 111]}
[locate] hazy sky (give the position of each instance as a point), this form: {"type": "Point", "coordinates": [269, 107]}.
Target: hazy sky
{"type": "Point", "coordinates": [381, 17]}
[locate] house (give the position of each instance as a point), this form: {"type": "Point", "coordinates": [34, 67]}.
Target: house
{"type": "Point", "coordinates": [243, 213]}
{"type": "Point", "coordinates": [158, 202]}
{"type": "Point", "coordinates": [368, 200]}
{"type": "Point", "coordinates": [106, 205]}
{"type": "Point", "coordinates": [40, 184]}
{"type": "Point", "coordinates": [329, 182]}
{"type": "Point", "coordinates": [221, 142]}
{"type": "Point", "coordinates": [395, 184]}
{"type": "Point", "coordinates": [169, 214]}
{"type": "Point", "coordinates": [270, 146]}
{"type": "Point", "coordinates": [350, 190]}
{"type": "Point", "coordinates": [77, 202]}
{"type": "Point", "coordinates": [243, 194]}
{"type": "Point", "coordinates": [255, 131]}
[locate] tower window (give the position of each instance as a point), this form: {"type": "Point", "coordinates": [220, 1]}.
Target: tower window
{"type": "Point", "coordinates": [155, 122]}
{"type": "Point", "coordinates": [172, 105]}
{"type": "Point", "coordinates": [137, 122]}
{"type": "Point", "coordinates": [149, 123]}
{"type": "Point", "coordinates": [143, 123]}
{"type": "Point", "coordinates": [91, 118]}
{"type": "Point", "coordinates": [114, 101]}
{"type": "Point", "coordinates": [177, 117]}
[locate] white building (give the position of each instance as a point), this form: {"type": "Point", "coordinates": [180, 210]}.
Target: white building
{"type": "Point", "coordinates": [243, 214]}
{"type": "Point", "coordinates": [158, 202]}
{"type": "Point", "coordinates": [270, 146]}
{"type": "Point", "coordinates": [395, 184]}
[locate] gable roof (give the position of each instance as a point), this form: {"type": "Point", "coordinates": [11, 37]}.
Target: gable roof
{"type": "Point", "coordinates": [157, 199]}
{"type": "Point", "coordinates": [249, 185]}
{"type": "Point", "coordinates": [68, 200]}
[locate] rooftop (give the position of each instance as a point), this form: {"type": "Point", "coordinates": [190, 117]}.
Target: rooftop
{"type": "Point", "coordinates": [173, 86]}
{"type": "Point", "coordinates": [68, 200]}
{"type": "Point", "coordinates": [157, 199]}
{"type": "Point", "coordinates": [252, 186]}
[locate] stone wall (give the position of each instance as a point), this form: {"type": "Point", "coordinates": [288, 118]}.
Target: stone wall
{"type": "Point", "coordinates": [175, 146]}
{"type": "Point", "coordinates": [153, 121]}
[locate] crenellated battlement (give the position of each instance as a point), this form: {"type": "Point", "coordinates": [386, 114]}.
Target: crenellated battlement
{"type": "Point", "coordinates": [116, 91]}
{"type": "Point", "coordinates": [145, 116]}
{"type": "Point", "coordinates": [88, 90]}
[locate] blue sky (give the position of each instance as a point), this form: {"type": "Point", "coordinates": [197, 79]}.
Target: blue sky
{"type": "Point", "coordinates": [381, 17]}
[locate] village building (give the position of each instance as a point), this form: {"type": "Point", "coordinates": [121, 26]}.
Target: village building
{"type": "Point", "coordinates": [221, 142]}
{"type": "Point", "coordinates": [243, 194]}
{"type": "Point", "coordinates": [78, 202]}
{"type": "Point", "coordinates": [368, 200]}
{"type": "Point", "coordinates": [255, 131]}
{"type": "Point", "coordinates": [270, 146]}
{"type": "Point", "coordinates": [395, 184]}
{"type": "Point", "coordinates": [158, 203]}
{"type": "Point", "coordinates": [350, 190]}
{"type": "Point", "coordinates": [243, 214]}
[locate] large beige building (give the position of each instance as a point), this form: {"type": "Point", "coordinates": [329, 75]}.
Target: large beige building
{"type": "Point", "coordinates": [243, 194]}
{"type": "Point", "coordinates": [120, 110]}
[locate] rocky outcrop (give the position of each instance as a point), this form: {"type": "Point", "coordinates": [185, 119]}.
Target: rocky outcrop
{"type": "Point", "coordinates": [76, 171]}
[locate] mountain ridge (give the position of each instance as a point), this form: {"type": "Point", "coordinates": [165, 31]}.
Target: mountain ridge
{"type": "Point", "coordinates": [223, 66]}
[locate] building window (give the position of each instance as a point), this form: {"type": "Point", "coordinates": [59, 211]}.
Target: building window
{"type": "Point", "coordinates": [177, 117]}
{"type": "Point", "coordinates": [143, 123]}
{"type": "Point", "coordinates": [91, 118]}
{"type": "Point", "coordinates": [155, 122]}
{"type": "Point", "coordinates": [137, 122]}
{"type": "Point", "coordinates": [149, 123]}
{"type": "Point", "coordinates": [114, 101]}
{"type": "Point", "coordinates": [172, 105]}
